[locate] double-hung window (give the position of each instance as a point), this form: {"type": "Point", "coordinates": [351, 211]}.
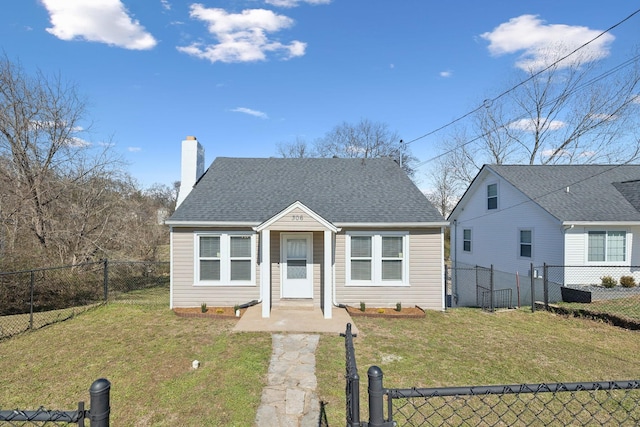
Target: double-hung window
{"type": "Point", "coordinates": [607, 246]}
{"type": "Point", "coordinates": [466, 240]}
{"type": "Point", "coordinates": [492, 196]}
{"type": "Point", "coordinates": [526, 243]}
{"type": "Point", "coordinates": [377, 258]}
{"type": "Point", "coordinates": [225, 258]}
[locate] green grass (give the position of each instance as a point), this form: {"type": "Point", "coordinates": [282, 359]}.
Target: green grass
{"type": "Point", "coordinates": [146, 353]}
{"type": "Point", "coordinates": [622, 307]}
{"type": "Point", "coordinates": [466, 347]}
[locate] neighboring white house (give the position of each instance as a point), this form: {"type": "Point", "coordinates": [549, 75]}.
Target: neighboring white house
{"type": "Point", "coordinates": [318, 232]}
{"type": "Point", "coordinates": [582, 216]}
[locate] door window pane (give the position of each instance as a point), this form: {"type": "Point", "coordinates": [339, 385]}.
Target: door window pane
{"type": "Point", "coordinates": [297, 269]}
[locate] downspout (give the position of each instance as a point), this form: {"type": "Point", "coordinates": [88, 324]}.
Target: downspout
{"type": "Point", "coordinates": [454, 291]}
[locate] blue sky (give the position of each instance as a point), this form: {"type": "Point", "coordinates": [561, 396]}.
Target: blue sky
{"type": "Point", "coordinates": [243, 76]}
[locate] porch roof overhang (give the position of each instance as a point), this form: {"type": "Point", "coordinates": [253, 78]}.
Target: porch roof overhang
{"type": "Point", "coordinates": [297, 205]}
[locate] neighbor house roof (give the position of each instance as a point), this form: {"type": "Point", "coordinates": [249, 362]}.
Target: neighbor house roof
{"type": "Point", "coordinates": [251, 190]}
{"type": "Point", "coordinates": [598, 193]}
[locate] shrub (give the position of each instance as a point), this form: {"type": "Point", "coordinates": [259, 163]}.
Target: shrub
{"type": "Point", "coordinates": [609, 282]}
{"type": "Point", "coordinates": [381, 310]}
{"type": "Point", "coordinates": [203, 307]}
{"type": "Point", "coordinates": [362, 306]}
{"type": "Point", "coordinates": [627, 281]}
{"type": "Point", "coordinates": [398, 306]}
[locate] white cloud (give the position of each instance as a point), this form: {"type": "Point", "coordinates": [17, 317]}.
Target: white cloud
{"type": "Point", "coordinates": [103, 21]}
{"type": "Point", "coordinates": [250, 112]}
{"type": "Point", "coordinates": [445, 74]}
{"type": "Point", "coordinates": [165, 4]}
{"type": "Point", "coordinates": [528, 125]}
{"type": "Point", "coordinates": [134, 149]}
{"type": "Point", "coordinates": [295, 3]}
{"type": "Point", "coordinates": [541, 44]}
{"type": "Point", "coordinates": [241, 37]}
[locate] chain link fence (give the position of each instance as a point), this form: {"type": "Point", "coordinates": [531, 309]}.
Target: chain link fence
{"type": "Point", "coordinates": [32, 299]}
{"type": "Point", "coordinates": [608, 403]}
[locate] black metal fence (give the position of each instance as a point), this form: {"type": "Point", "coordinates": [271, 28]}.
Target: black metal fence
{"type": "Point", "coordinates": [605, 292]}
{"type": "Point", "coordinates": [614, 403]}
{"type": "Point", "coordinates": [31, 299]}
{"type": "Point", "coordinates": [98, 414]}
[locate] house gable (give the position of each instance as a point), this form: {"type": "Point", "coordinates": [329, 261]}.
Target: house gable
{"type": "Point", "coordinates": [297, 217]}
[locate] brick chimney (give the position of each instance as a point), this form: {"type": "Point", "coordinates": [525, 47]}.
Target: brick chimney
{"type": "Point", "coordinates": [192, 167]}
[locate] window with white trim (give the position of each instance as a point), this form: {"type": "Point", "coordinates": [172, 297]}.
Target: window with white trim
{"type": "Point", "coordinates": [225, 258]}
{"type": "Point", "coordinates": [526, 243]}
{"type": "Point", "coordinates": [607, 246]}
{"type": "Point", "coordinates": [492, 196]}
{"type": "Point", "coordinates": [466, 240]}
{"type": "Point", "coordinates": [377, 258]}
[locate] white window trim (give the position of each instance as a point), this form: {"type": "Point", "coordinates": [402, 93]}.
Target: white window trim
{"type": "Point", "coordinates": [497, 196]}
{"type": "Point", "coordinates": [376, 267]}
{"type": "Point", "coordinates": [470, 240]}
{"type": "Point", "coordinates": [225, 259]}
{"type": "Point", "coordinates": [627, 246]}
{"type": "Point", "coordinates": [520, 243]}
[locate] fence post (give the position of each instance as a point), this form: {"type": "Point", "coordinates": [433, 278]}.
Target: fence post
{"type": "Point", "coordinates": [533, 289]}
{"type": "Point", "coordinates": [546, 286]}
{"type": "Point", "coordinates": [376, 401]}
{"type": "Point", "coordinates": [491, 286]}
{"type": "Point", "coordinates": [100, 406]}
{"type": "Point", "coordinates": [32, 285]}
{"type": "Point", "coordinates": [105, 280]}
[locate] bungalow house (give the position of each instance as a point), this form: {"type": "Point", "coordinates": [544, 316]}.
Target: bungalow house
{"type": "Point", "coordinates": [300, 231]}
{"type": "Point", "coordinates": [585, 219]}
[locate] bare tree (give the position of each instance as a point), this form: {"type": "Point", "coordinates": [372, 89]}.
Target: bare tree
{"type": "Point", "coordinates": [568, 113]}
{"type": "Point", "coordinates": [444, 191]}
{"type": "Point", "coordinates": [50, 174]}
{"type": "Point", "coordinates": [296, 149]}
{"type": "Point", "coordinates": [366, 139]}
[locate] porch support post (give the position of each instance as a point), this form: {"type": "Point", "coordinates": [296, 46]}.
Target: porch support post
{"type": "Point", "coordinates": [328, 276]}
{"type": "Point", "coordinates": [265, 272]}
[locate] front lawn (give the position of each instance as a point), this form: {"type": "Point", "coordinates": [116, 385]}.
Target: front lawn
{"type": "Point", "coordinates": [146, 352]}
{"type": "Point", "coordinates": [467, 347]}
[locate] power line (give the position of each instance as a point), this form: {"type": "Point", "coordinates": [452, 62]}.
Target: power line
{"type": "Point", "coordinates": [491, 100]}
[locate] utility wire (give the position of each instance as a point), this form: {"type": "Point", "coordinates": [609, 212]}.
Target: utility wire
{"type": "Point", "coordinates": [489, 101]}
{"type": "Point", "coordinates": [546, 104]}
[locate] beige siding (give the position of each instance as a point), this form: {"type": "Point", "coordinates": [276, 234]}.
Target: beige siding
{"type": "Point", "coordinates": [185, 294]}
{"type": "Point", "coordinates": [297, 220]}
{"type": "Point", "coordinates": [425, 275]}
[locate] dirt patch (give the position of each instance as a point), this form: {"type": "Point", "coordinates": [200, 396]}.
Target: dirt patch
{"type": "Point", "coordinates": [405, 313]}
{"type": "Point", "coordinates": [212, 312]}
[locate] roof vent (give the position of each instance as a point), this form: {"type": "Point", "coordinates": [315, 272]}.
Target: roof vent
{"type": "Point", "coordinates": [567, 190]}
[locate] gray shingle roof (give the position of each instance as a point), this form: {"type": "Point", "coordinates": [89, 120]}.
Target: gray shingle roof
{"type": "Point", "coordinates": [593, 193]}
{"type": "Point", "coordinates": [340, 190]}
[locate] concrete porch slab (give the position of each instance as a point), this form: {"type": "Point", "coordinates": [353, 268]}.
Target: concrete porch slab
{"type": "Point", "coordinates": [291, 320]}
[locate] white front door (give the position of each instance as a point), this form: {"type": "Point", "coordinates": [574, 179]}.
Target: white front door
{"type": "Point", "coordinates": [296, 266]}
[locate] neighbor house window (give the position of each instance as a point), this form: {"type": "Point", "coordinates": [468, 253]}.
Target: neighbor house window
{"type": "Point", "coordinates": [492, 196]}
{"type": "Point", "coordinates": [526, 243]}
{"type": "Point", "coordinates": [466, 240]}
{"type": "Point", "coordinates": [225, 258]}
{"type": "Point", "coordinates": [377, 259]}
{"type": "Point", "coordinates": [609, 246]}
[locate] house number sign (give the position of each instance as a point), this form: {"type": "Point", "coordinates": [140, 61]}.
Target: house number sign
{"type": "Point", "coordinates": [297, 218]}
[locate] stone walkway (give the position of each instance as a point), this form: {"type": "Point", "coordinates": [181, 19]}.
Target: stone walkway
{"type": "Point", "coordinates": [289, 399]}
